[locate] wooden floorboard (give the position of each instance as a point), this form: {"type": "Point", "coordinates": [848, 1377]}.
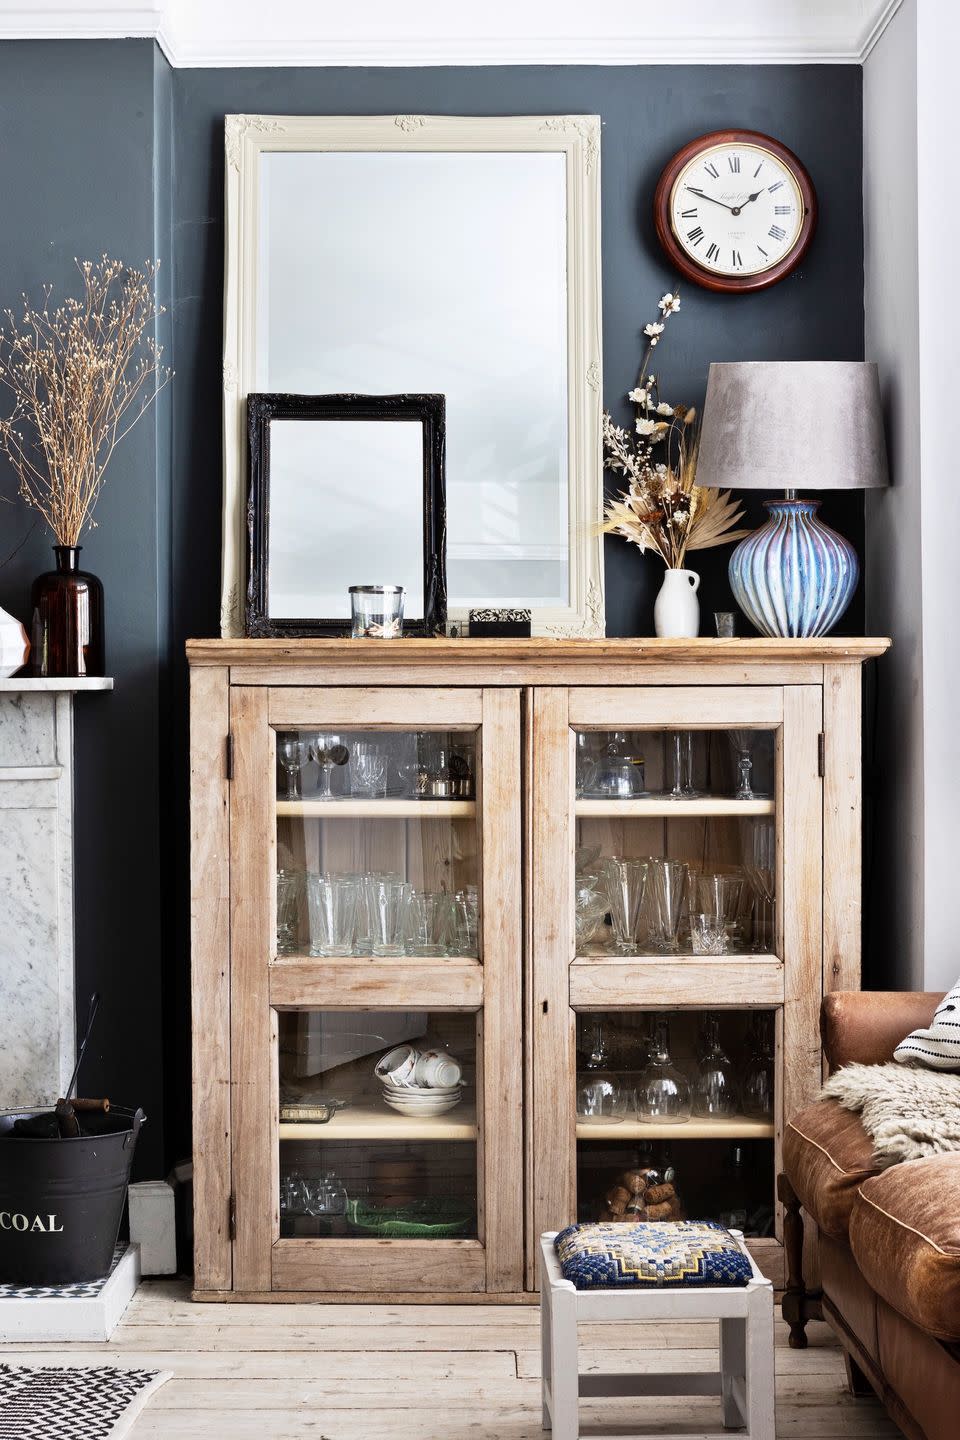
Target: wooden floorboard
{"type": "Point", "coordinates": [348, 1372]}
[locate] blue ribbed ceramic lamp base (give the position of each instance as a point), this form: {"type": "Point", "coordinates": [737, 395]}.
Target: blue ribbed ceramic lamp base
{"type": "Point", "coordinates": [794, 576]}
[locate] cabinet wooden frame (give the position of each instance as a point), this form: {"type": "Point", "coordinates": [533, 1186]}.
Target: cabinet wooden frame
{"type": "Point", "coordinates": [264, 985]}
{"type": "Point", "coordinates": [530, 984]}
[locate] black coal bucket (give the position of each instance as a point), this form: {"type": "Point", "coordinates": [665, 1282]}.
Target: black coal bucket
{"type": "Point", "coordinates": [61, 1200]}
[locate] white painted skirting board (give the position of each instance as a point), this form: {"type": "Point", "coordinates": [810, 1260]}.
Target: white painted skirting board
{"type": "Point", "coordinates": [75, 1312]}
{"type": "Point", "coordinates": [434, 32]}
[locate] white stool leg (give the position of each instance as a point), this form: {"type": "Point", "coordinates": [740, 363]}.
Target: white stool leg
{"type": "Point", "coordinates": [564, 1364]}
{"type": "Point", "coordinates": [760, 1417]}
{"type": "Point", "coordinates": [733, 1366]}
{"type": "Point", "coordinates": [546, 1329]}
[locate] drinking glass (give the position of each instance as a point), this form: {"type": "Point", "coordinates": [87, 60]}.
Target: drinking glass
{"type": "Point", "coordinates": [742, 742]}
{"type": "Point", "coordinates": [758, 1073]}
{"type": "Point", "coordinates": [290, 893]}
{"type": "Point", "coordinates": [332, 904]}
{"type": "Point", "coordinates": [625, 882]}
{"type": "Point", "coordinates": [596, 1052]}
{"type": "Point", "coordinates": [719, 897]}
{"type": "Point", "coordinates": [464, 921]}
{"type": "Point", "coordinates": [386, 900]}
{"type": "Point", "coordinates": [368, 771]}
{"type": "Point", "coordinates": [681, 754]}
{"type": "Point", "coordinates": [427, 921]}
{"type": "Point", "coordinates": [599, 1100]}
{"type": "Point", "coordinates": [292, 752]}
{"type": "Point", "coordinates": [669, 887]}
{"type": "Point", "coordinates": [587, 762]}
{"type": "Point", "coordinates": [725, 622]}
{"type": "Point", "coordinates": [329, 752]}
{"type": "Point", "coordinates": [708, 935]}
{"type": "Point", "coordinates": [761, 872]}
{"type": "Point", "coordinates": [715, 1089]}
{"type": "Point", "coordinates": [663, 1091]}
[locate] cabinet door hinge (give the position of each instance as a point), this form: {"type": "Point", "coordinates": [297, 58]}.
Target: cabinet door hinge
{"type": "Point", "coordinates": [232, 1217]}
{"type": "Point", "coordinates": [230, 756]}
{"type": "Point", "coordinates": [821, 768]}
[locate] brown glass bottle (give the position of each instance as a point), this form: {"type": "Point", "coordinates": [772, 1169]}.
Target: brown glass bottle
{"type": "Point", "coordinates": [67, 628]}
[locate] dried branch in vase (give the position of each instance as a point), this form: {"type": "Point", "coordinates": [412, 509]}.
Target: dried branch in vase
{"type": "Point", "coordinates": [81, 376]}
{"type": "Point", "coordinates": [663, 508]}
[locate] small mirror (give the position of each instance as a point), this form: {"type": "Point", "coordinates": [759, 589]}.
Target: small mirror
{"type": "Point", "coordinates": [344, 490]}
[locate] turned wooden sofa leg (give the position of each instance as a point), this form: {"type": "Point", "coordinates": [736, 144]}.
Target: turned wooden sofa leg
{"type": "Point", "coordinates": [798, 1305]}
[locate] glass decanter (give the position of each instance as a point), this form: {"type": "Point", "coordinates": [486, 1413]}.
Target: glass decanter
{"type": "Point", "coordinates": [758, 1073]}
{"type": "Point", "coordinates": [663, 1091]}
{"type": "Point", "coordinates": [715, 1089]}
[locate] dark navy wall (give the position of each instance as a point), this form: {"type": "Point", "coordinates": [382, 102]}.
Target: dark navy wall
{"type": "Point", "coordinates": [102, 147]}
{"type": "Point", "coordinates": [77, 148]}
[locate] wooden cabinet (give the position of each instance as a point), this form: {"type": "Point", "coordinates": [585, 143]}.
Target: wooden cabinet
{"type": "Point", "coordinates": [502, 776]}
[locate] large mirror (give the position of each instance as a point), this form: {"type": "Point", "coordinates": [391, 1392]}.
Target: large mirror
{"type": "Point", "coordinates": [453, 256]}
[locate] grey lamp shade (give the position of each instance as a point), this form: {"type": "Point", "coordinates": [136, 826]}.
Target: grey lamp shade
{"type": "Point", "coordinates": [793, 425]}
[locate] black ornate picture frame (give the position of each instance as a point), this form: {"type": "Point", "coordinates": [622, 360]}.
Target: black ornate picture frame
{"type": "Point", "coordinates": [262, 409]}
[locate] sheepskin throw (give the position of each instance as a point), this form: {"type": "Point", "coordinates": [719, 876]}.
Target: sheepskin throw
{"type": "Point", "coordinates": [938, 1046]}
{"type": "Point", "coordinates": [908, 1112]}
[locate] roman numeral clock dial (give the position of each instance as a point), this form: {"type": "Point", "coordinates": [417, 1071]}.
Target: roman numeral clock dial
{"type": "Point", "coordinates": [735, 210]}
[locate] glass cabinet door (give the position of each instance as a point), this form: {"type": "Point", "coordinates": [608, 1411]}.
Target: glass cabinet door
{"type": "Point", "coordinates": [379, 1067]}
{"type": "Point", "coordinates": [687, 951]}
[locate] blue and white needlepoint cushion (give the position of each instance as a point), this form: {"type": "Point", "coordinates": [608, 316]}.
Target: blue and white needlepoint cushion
{"type": "Point", "coordinates": [938, 1047]}
{"type": "Point", "coordinates": [651, 1255]}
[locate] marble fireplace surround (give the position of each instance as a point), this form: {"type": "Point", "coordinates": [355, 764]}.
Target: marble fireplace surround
{"type": "Point", "coordinates": [37, 986]}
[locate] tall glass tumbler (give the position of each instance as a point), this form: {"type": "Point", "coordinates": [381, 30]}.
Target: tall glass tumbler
{"type": "Point", "coordinates": [332, 906]}
{"type": "Point", "coordinates": [625, 882]}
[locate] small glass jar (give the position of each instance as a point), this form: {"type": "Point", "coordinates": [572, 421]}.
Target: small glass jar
{"type": "Point", "coordinates": [377, 611]}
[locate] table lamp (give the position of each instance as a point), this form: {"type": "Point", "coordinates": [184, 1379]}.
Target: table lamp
{"type": "Point", "coordinates": [794, 426]}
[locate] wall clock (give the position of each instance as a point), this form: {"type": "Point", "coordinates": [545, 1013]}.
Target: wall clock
{"type": "Point", "coordinates": [735, 210]}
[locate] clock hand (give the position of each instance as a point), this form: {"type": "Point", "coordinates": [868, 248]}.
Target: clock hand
{"type": "Point", "coordinates": [755, 196]}
{"type": "Point", "coordinates": [704, 196]}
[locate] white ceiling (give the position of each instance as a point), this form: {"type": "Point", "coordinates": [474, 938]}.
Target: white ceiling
{"type": "Point", "coordinates": [448, 32]}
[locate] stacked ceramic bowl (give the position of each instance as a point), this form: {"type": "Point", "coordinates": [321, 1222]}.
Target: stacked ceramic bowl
{"type": "Point", "coordinates": [420, 1083]}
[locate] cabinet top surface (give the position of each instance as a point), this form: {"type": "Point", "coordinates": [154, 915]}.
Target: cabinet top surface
{"type": "Point", "coordinates": [341, 650]}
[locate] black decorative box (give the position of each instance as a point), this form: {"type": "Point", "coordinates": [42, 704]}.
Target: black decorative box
{"type": "Point", "coordinates": [499, 624]}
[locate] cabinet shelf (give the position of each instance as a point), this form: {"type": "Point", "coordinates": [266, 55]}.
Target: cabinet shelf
{"type": "Point", "coordinates": [734, 1127]}
{"type": "Point", "coordinates": [399, 809]}
{"type": "Point", "coordinates": [659, 807]}
{"type": "Point", "coordinates": [373, 1121]}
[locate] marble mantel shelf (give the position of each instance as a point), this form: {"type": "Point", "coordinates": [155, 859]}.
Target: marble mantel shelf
{"type": "Point", "coordinates": [37, 1034]}
{"type": "Point", "coordinates": [45, 685]}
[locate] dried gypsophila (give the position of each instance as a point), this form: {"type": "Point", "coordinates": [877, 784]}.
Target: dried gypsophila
{"type": "Point", "coordinates": [81, 376]}
{"type": "Point", "coordinates": [663, 509]}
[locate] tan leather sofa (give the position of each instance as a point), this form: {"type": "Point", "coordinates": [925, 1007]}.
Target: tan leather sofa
{"type": "Point", "coordinates": [889, 1241]}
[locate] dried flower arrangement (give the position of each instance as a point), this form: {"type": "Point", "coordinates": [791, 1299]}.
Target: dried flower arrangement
{"type": "Point", "coordinates": [663, 508]}
{"type": "Point", "coordinates": [81, 376]}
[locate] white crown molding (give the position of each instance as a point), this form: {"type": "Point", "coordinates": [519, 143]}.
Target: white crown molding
{"type": "Point", "coordinates": [244, 33]}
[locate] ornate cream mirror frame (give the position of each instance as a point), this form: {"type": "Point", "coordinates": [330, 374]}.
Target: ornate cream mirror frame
{"type": "Point", "coordinates": [248, 139]}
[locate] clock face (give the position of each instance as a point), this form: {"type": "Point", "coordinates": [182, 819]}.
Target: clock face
{"type": "Point", "coordinates": [736, 209]}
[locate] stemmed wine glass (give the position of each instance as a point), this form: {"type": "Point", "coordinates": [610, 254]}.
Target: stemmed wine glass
{"type": "Point", "coordinates": [293, 752]}
{"type": "Point", "coordinates": [329, 752]}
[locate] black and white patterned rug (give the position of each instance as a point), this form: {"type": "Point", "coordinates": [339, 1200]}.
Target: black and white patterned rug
{"type": "Point", "coordinates": [82, 1290]}
{"type": "Point", "coordinates": [53, 1403]}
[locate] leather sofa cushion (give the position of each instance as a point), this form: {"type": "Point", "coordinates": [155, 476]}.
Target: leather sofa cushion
{"type": "Point", "coordinates": [905, 1236]}
{"type": "Point", "coordinates": [827, 1155]}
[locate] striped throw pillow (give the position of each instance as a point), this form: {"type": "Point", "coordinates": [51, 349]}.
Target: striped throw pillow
{"type": "Point", "coordinates": [939, 1046]}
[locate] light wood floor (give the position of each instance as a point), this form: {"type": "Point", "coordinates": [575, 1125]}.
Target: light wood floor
{"type": "Point", "coordinates": [353, 1372]}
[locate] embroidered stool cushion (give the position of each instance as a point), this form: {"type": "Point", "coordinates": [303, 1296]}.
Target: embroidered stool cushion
{"type": "Point", "coordinates": [652, 1254]}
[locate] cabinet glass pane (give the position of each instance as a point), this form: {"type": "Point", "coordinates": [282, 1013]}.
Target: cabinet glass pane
{"type": "Point", "coordinates": [675, 1117]}
{"type": "Point", "coordinates": [377, 843]}
{"type": "Point", "coordinates": [378, 1124]}
{"type": "Point", "coordinates": [675, 842]}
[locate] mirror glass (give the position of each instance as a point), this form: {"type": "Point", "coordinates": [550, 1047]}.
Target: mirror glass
{"type": "Point", "coordinates": [393, 272]}
{"type": "Point", "coordinates": [346, 508]}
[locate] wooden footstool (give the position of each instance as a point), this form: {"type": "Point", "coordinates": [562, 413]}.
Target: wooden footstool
{"type": "Point", "coordinates": [651, 1285]}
